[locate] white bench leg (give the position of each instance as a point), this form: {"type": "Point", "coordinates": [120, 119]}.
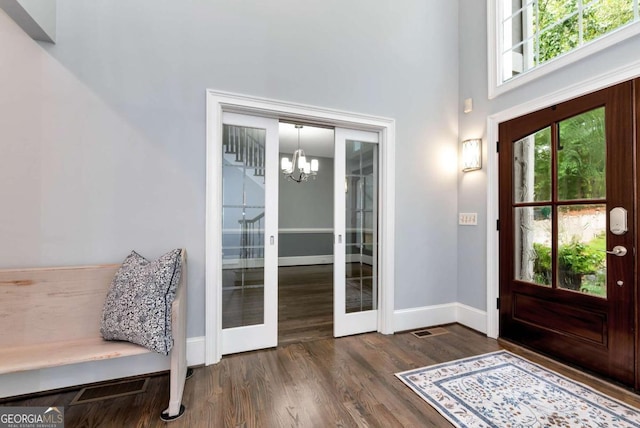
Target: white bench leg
{"type": "Point", "coordinates": [178, 373]}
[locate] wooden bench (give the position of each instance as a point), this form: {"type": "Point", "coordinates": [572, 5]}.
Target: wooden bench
{"type": "Point", "coordinates": [51, 317]}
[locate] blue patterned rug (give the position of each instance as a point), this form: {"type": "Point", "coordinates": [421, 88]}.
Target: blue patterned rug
{"type": "Point", "coordinates": [501, 389]}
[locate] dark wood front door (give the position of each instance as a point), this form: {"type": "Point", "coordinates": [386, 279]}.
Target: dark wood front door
{"type": "Point", "coordinates": [566, 182]}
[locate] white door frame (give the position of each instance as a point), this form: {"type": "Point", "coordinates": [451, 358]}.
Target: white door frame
{"type": "Point", "coordinates": [217, 102]}
{"type": "Point", "coordinates": [596, 83]}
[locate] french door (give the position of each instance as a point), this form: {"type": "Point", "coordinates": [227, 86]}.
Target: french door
{"type": "Point", "coordinates": [356, 232]}
{"type": "Point", "coordinates": [567, 231]}
{"type": "Point", "coordinates": [249, 274]}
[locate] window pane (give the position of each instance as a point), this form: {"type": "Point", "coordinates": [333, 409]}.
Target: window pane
{"type": "Point", "coordinates": [550, 13]}
{"type": "Point", "coordinates": [513, 63]}
{"type": "Point", "coordinates": [532, 167]}
{"type": "Point", "coordinates": [517, 42]}
{"type": "Point", "coordinates": [558, 39]}
{"type": "Point", "coordinates": [604, 16]}
{"type": "Point", "coordinates": [581, 250]}
{"type": "Point", "coordinates": [582, 157]}
{"type": "Point", "coordinates": [361, 221]}
{"type": "Point", "coordinates": [533, 245]}
{"type": "Point", "coordinates": [512, 30]}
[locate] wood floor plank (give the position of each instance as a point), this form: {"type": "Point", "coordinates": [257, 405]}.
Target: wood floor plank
{"type": "Point", "coordinates": [346, 382]}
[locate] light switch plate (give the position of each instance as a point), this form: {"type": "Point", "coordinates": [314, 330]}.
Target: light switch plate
{"type": "Point", "coordinates": [468, 219]}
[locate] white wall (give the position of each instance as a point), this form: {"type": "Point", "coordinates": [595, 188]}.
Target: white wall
{"type": "Point", "coordinates": [103, 134]}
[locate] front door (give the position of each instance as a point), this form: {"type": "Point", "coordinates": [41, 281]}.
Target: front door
{"type": "Point", "coordinates": [567, 231]}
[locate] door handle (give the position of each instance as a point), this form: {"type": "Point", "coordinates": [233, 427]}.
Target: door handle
{"type": "Point", "coordinates": [618, 250]}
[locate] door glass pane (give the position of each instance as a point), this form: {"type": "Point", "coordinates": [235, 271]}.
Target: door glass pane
{"type": "Point", "coordinates": [243, 208]}
{"type": "Point", "coordinates": [361, 195]}
{"type": "Point", "coordinates": [582, 157]}
{"type": "Point", "coordinates": [532, 167]}
{"type": "Point", "coordinates": [581, 248]}
{"type": "Point", "coordinates": [532, 244]}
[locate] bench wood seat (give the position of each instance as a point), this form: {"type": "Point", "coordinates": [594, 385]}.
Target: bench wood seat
{"type": "Point", "coordinates": [53, 354]}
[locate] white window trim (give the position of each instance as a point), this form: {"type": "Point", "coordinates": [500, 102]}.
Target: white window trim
{"type": "Point", "coordinates": [497, 88]}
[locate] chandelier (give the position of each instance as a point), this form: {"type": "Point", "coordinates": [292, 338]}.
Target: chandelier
{"type": "Point", "coordinates": [297, 168]}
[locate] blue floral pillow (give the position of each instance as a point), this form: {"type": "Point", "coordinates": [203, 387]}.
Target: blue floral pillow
{"type": "Point", "coordinates": [138, 305]}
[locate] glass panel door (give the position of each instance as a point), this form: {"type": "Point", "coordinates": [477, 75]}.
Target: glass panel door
{"type": "Point", "coordinates": [567, 284]}
{"type": "Point", "coordinates": [249, 232]}
{"type": "Point", "coordinates": [356, 232]}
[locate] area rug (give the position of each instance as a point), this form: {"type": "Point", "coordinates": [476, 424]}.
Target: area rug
{"type": "Point", "coordinates": [503, 390]}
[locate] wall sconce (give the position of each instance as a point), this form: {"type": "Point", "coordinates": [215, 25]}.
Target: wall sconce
{"type": "Point", "coordinates": [471, 154]}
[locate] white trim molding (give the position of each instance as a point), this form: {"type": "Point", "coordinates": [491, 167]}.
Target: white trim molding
{"type": "Point", "coordinates": [471, 317]}
{"type": "Point", "coordinates": [303, 230]}
{"type": "Point", "coordinates": [448, 313]}
{"type": "Point", "coordinates": [615, 76]}
{"type": "Point", "coordinates": [305, 260]}
{"type": "Point", "coordinates": [217, 102]}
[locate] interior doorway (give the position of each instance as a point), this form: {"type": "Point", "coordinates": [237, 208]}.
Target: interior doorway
{"type": "Point", "coordinates": [305, 235]}
{"type": "Point", "coordinates": [259, 117]}
{"type": "Point", "coordinates": [328, 233]}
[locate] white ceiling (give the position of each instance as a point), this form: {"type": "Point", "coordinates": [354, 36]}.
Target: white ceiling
{"type": "Point", "coordinates": [314, 141]}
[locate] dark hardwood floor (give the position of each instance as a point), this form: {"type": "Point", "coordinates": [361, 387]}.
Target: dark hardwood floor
{"type": "Point", "coordinates": [305, 303]}
{"type": "Point", "coordinates": [309, 380]}
{"type": "Point", "coordinates": [346, 382]}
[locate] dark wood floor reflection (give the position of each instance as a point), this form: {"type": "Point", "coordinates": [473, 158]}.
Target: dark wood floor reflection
{"type": "Point", "coordinates": [305, 303]}
{"type": "Point", "coordinates": [305, 299]}
{"type": "Point", "coordinates": [346, 382]}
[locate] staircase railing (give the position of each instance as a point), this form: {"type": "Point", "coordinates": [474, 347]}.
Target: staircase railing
{"type": "Point", "coordinates": [245, 144]}
{"type": "Point", "coordinates": [252, 237]}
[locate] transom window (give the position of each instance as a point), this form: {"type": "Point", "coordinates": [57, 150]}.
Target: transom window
{"type": "Point", "coordinates": [531, 33]}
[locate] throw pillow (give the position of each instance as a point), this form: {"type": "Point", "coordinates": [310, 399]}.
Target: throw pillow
{"type": "Point", "coordinates": [138, 305]}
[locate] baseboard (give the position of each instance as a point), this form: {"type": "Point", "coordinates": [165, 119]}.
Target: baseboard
{"type": "Point", "coordinates": [322, 259]}
{"type": "Point", "coordinates": [471, 317]}
{"type": "Point", "coordinates": [195, 351]}
{"type": "Point", "coordinates": [428, 316]}
{"type": "Point", "coordinates": [305, 260]}
{"type": "Point", "coordinates": [32, 381]}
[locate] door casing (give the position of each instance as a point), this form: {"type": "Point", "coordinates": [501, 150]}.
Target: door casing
{"type": "Point", "coordinates": [218, 102]}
